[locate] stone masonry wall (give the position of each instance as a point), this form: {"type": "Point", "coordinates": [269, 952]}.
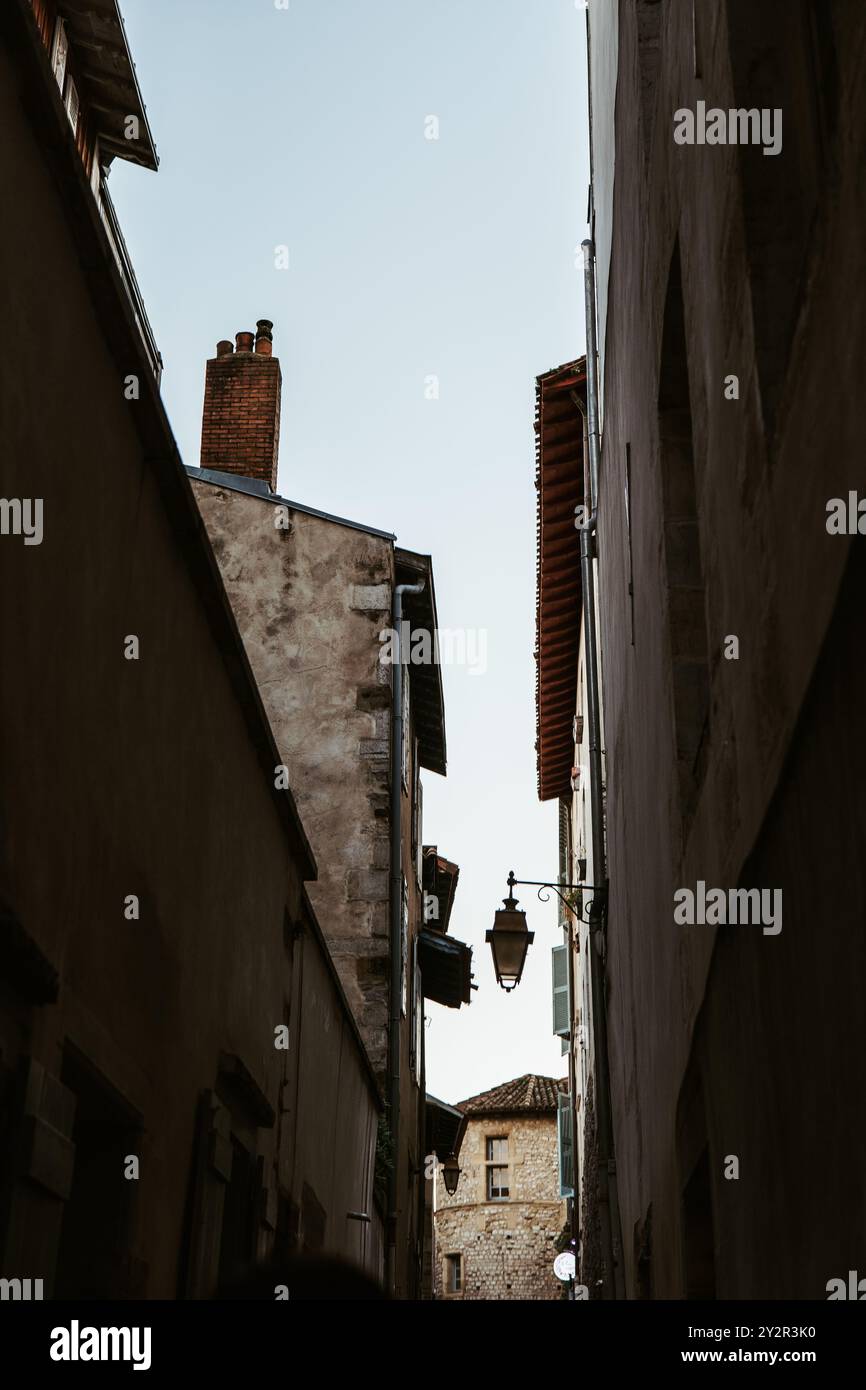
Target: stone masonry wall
{"type": "Point", "coordinates": [310, 600]}
{"type": "Point", "coordinates": [508, 1246]}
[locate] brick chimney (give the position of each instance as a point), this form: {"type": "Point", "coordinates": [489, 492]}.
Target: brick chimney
{"type": "Point", "coordinates": [240, 428]}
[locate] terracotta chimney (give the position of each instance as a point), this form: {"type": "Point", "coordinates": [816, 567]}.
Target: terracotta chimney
{"type": "Point", "coordinates": [240, 431]}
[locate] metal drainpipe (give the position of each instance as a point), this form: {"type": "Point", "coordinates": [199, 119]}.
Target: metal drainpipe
{"type": "Point", "coordinates": [396, 933]}
{"type": "Point", "coordinates": [572, 1082]}
{"type": "Point", "coordinates": [598, 911]}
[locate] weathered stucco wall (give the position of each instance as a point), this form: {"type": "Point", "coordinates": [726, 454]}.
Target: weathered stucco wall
{"type": "Point", "coordinates": [311, 597]}
{"type": "Point", "coordinates": [771, 576]}
{"type": "Point", "coordinates": [310, 601]}
{"type": "Point", "coordinates": [509, 1246]}
{"type": "Point", "coordinates": [121, 777]}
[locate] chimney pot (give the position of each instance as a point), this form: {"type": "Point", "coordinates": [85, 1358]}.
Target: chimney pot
{"type": "Point", "coordinates": [224, 347]}
{"type": "Point", "coordinates": [244, 342]}
{"type": "Point", "coordinates": [264, 337]}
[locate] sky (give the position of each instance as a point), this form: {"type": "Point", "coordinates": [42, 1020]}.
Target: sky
{"type": "Point", "coordinates": [429, 281]}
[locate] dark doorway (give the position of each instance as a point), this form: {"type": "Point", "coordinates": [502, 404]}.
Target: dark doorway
{"type": "Point", "coordinates": [237, 1242]}
{"type": "Point", "coordinates": [699, 1232]}
{"type": "Point", "coordinates": [94, 1258]}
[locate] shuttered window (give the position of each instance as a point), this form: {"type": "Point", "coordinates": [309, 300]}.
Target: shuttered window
{"type": "Point", "coordinates": [565, 1145]}
{"type": "Point", "coordinates": [564, 852]}
{"type": "Point", "coordinates": [559, 963]}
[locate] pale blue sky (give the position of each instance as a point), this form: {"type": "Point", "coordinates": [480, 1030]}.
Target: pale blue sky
{"type": "Point", "coordinates": [408, 258]}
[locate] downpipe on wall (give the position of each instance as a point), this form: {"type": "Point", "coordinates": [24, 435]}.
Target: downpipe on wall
{"type": "Point", "coordinates": [611, 1239]}
{"type": "Point", "coordinates": [396, 932]}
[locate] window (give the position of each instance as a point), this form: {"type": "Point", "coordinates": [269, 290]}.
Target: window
{"type": "Point", "coordinates": [59, 62]}
{"type": "Point", "coordinates": [497, 1168]}
{"type": "Point", "coordinates": [453, 1273]}
{"type": "Point", "coordinates": [59, 53]}
{"type": "Point", "coordinates": [72, 103]}
{"type": "Point", "coordinates": [565, 1144]}
{"type": "Point", "coordinates": [560, 964]}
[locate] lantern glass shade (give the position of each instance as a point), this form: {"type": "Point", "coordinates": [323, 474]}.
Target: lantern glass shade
{"type": "Point", "coordinates": [509, 942]}
{"type": "Point", "coordinates": [451, 1175]}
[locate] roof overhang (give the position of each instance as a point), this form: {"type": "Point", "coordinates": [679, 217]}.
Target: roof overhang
{"type": "Point", "coordinates": [428, 701]}
{"type": "Point", "coordinates": [559, 481]}
{"type": "Point", "coordinates": [439, 880]}
{"type": "Point", "coordinates": [444, 1128]}
{"type": "Point", "coordinates": [446, 968]}
{"type": "Point", "coordinates": [98, 39]}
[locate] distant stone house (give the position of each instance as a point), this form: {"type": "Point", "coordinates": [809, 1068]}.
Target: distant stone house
{"type": "Point", "coordinates": [496, 1237]}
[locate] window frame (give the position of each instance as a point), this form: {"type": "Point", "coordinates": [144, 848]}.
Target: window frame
{"type": "Point", "coordinates": [60, 50]}
{"type": "Point", "coordinates": [453, 1261]}
{"type": "Point", "coordinates": [71, 99]}
{"type": "Point", "coordinates": [495, 1165]}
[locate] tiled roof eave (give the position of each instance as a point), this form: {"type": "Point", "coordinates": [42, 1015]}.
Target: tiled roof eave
{"type": "Point", "coordinates": [559, 486]}
{"type": "Point", "coordinates": [526, 1095]}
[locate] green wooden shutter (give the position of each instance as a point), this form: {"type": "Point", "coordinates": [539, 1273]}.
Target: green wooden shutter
{"type": "Point", "coordinates": [564, 852]}
{"type": "Point", "coordinates": [559, 962]}
{"type": "Point", "coordinates": [565, 1145]}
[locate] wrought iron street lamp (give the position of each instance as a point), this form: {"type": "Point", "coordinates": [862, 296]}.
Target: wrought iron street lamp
{"type": "Point", "coordinates": [509, 940]}
{"type": "Point", "coordinates": [509, 937]}
{"type": "Point", "coordinates": [451, 1174]}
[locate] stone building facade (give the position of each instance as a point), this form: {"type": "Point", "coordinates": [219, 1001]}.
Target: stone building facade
{"type": "Point", "coordinates": [496, 1237]}
{"type": "Point", "coordinates": [313, 596]}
